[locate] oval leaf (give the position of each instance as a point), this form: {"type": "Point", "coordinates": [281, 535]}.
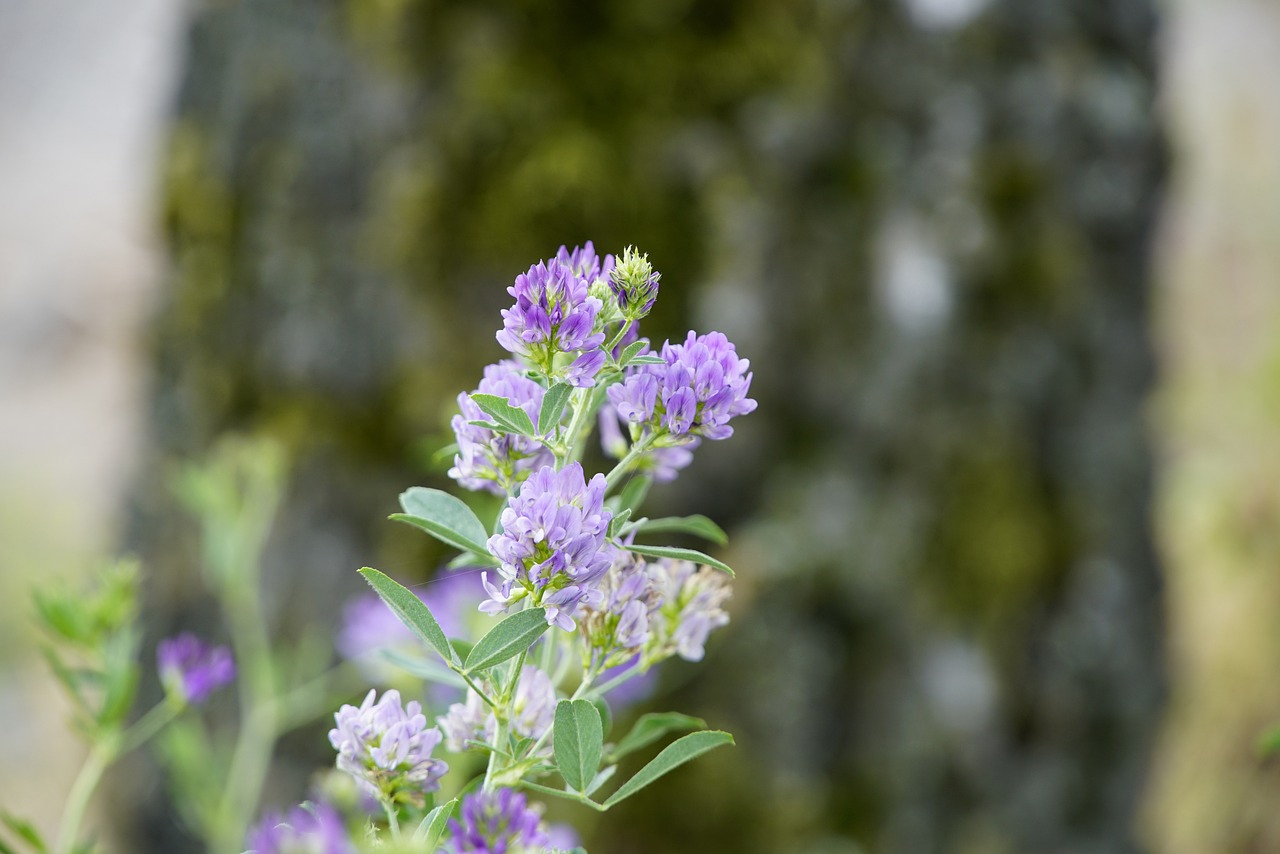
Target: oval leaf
{"type": "Point", "coordinates": [579, 737]}
{"type": "Point", "coordinates": [698, 525]}
{"type": "Point", "coordinates": [553, 403]}
{"type": "Point", "coordinates": [411, 611]}
{"type": "Point", "coordinates": [633, 350]}
{"type": "Point", "coordinates": [679, 554]}
{"type": "Point", "coordinates": [652, 727]}
{"type": "Point", "coordinates": [501, 410]}
{"type": "Point", "coordinates": [443, 516]}
{"type": "Point", "coordinates": [433, 826]}
{"type": "Point", "coordinates": [507, 639]}
{"type": "Point", "coordinates": [672, 756]}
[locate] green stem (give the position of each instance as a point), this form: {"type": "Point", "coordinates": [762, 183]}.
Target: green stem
{"type": "Point", "coordinates": [579, 402]}
{"type": "Point", "coordinates": [622, 331]}
{"type": "Point", "coordinates": [601, 690]}
{"type": "Point", "coordinates": [637, 451]}
{"type": "Point", "coordinates": [101, 755]}
{"type": "Point", "coordinates": [148, 725]}
{"type": "Point", "coordinates": [393, 819]}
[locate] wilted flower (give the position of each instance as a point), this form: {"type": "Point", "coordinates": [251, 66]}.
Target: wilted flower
{"type": "Point", "coordinates": [499, 822]}
{"type": "Point", "coordinates": [700, 388]}
{"type": "Point", "coordinates": [191, 669]}
{"type": "Point", "coordinates": [533, 713]}
{"type": "Point", "coordinates": [552, 545]}
{"type": "Point", "coordinates": [554, 312]}
{"type": "Point", "coordinates": [691, 598]}
{"type": "Point", "coordinates": [617, 628]}
{"type": "Point", "coordinates": [387, 748]}
{"type": "Point", "coordinates": [308, 829]}
{"type": "Point", "coordinates": [492, 460]}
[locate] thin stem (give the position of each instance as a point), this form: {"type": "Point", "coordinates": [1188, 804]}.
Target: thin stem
{"type": "Point", "coordinates": [583, 686]}
{"type": "Point", "coordinates": [578, 401]}
{"type": "Point", "coordinates": [101, 755]}
{"type": "Point", "coordinates": [393, 819]}
{"type": "Point", "coordinates": [637, 451]}
{"type": "Point", "coordinates": [488, 701]}
{"type": "Point", "coordinates": [606, 687]}
{"type": "Point", "coordinates": [617, 339]}
{"type": "Point", "coordinates": [148, 725]}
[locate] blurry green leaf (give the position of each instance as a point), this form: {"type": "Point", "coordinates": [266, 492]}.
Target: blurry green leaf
{"type": "Point", "coordinates": [1270, 742]}
{"type": "Point", "coordinates": [501, 411]}
{"type": "Point", "coordinates": [618, 520]}
{"type": "Point", "coordinates": [443, 516]}
{"type": "Point", "coordinates": [411, 611]}
{"type": "Point", "coordinates": [578, 736]}
{"type": "Point", "coordinates": [425, 668]}
{"type": "Point", "coordinates": [24, 830]}
{"type": "Point", "coordinates": [120, 671]}
{"type": "Point", "coordinates": [697, 525]}
{"type": "Point", "coordinates": [508, 639]}
{"type": "Point", "coordinates": [679, 554]}
{"type": "Point", "coordinates": [672, 756]}
{"type": "Point", "coordinates": [651, 727]}
{"type": "Point", "coordinates": [633, 494]}
{"type": "Point", "coordinates": [553, 403]}
{"type": "Point", "coordinates": [434, 825]}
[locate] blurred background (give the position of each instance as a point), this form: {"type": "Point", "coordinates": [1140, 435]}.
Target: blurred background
{"type": "Point", "coordinates": [1005, 522]}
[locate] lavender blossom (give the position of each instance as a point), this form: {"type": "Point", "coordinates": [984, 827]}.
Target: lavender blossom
{"type": "Point", "coordinates": [585, 264]}
{"type": "Point", "coordinates": [553, 545]}
{"type": "Point", "coordinates": [554, 312]}
{"type": "Point", "coordinates": [387, 748]}
{"type": "Point", "coordinates": [500, 822]}
{"type": "Point", "coordinates": [700, 388]}
{"type": "Point", "coordinates": [533, 714]}
{"type": "Point", "coordinates": [617, 627]}
{"type": "Point", "coordinates": [495, 461]}
{"type": "Point", "coordinates": [309, 829]}
{"type": "Point", "coordinates": [692, 598]}
{"type": "Point", "coordinates": [191, 669]}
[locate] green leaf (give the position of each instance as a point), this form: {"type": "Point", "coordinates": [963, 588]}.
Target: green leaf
{"type": "Point", "coordinates": [507, 639]}
{"type": "Point", "coordinates": [672, 756]}
{"type": "Point", "coordinates": [697, 525]}
{"type": "Point", "coordinates": [553, 403]}
{"type": "Point", "coordinates": [501, 411]}
{"type": "Point", "coordinates": [579, 737]}
{"type": "Point", "coordinates": [24, 830]}
{"type": "Point", "coordinates": [433, 826]}
{"type": "Point", "coordinates": [633, 349]}
{"type": "Point", "coordinates": [679, 554]}
{"type": "Point", "coordinates": [652, 727]}
{"type": "Point", "coordinates": [633, 494]}
{"type": "Point", "coordinates": [1269, 743]}
{"type": "Point", "coordinates": [618, 520]}
{"type": "Point", "coordinates": [648, 360]}
{"type": "Point", "coordinates": [443, 516]}
{"type": "Point", "coordinates": [412, 612]}
{"type": "Point", "coordinates": [425, 668]}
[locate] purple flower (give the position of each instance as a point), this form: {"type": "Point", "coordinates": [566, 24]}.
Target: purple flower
{"type": "Point", "coordinates": [495, 461]}
{"type": "Point", "coordinates": [553, 544]}
{"type": "Point", "coordinates": [500, 822]}
{"type": "Point", "coordinates": [308, 829]}
{"type": "Point", "coordinates": [554, 311]}
{"type": "Point", "coordinates": [616, 626]}
{"type": "Point", "coordinates": [533, 715]}
{"type": "Point", "coordinates": [700, 388]}
{"type": "Point", "coordinates": [692, 598]}
{"type": "Point", "coordinates": [585, 264]}
{"type": "Point", "coordinates": [191, 669]}
{"type": "Point", "coordinates": [387, 748]}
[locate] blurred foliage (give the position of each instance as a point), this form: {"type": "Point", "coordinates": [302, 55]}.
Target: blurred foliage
{"type": "Point", "coordinates": [925, 222]}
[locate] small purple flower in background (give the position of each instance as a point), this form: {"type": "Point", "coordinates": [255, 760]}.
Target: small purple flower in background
{"type": "Point", "coordinates": [308, 829]}
{"type": "Point", "coordinates": [663, 464]}
{"type": "Point", "coordinates": [491, 460]}
{"type": "Point", "coordinates": [553, 544]}
{"type": "Point", "coordinates": [635, 690]}
{"type": "Point", "coordinates": [554, 311]}
{"type": "Point", "coordinates": [191, 669]}
{"type": "Point", "coordinates": [700, 388]}
{"type": "Point", "coordinates": [692, 598]}
{"type": "Point", "coordinates": [387, 748]}
{"type": "Point", "coordinates": [532, 716]}
{"type": "Point", "coordinates": [499, 822]}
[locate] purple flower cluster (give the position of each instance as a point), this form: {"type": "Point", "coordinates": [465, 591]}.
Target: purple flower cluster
{"type": "Point", "coordinates": [488, 459]}
{"type": "Point", "coordinates": [553, 544]}
{"type": "Point", "coordinates": [387, 747]}
{"type": "Point", "coordinates": [555, 314]}
{"type": "Point", "coordinates": [191, 669]}
{"type": "Point", "coordinates": [532, 715]}
{"type": "Point", "coordinates": [700, 388]}
{"type": "Point", "coordinates": [499, 822]}
{"type": "Point", "coordinates": [656, 609]}
{"type": "Point", "coordinates": [310, 829]}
